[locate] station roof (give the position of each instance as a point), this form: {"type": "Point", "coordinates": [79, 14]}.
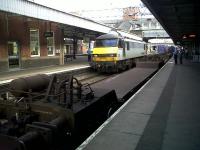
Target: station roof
{"type": "Point", "coordinates": [72, 22]}
{"type": "Point", "coordinates": [180, 18]}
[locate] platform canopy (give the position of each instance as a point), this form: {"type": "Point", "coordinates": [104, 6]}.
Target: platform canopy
{"type": "Point", "coordinates": [180, 18]}
{"type": "Point", "coordinates": [72, 25]}
{"type": "Point", "coordinates": [34, 10]}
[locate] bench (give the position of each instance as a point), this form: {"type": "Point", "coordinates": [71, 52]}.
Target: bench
{"type": "Point", "coordinates": [68, 56]}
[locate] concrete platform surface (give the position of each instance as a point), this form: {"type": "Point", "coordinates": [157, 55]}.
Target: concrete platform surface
{"type": "Point", "coordinates": [8, 76]}
{"type": "Point", "coordinates": [163, 115]}
{"type": "Point", "coordinates": [126, 81]}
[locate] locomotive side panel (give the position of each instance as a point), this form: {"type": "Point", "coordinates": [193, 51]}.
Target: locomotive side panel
{"type": "Point", "coordinates": [134, 49]}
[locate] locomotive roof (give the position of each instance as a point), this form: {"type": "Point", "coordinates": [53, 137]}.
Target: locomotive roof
{"type": "Point", "coordinates": [122, 35]}
{"type": "Point", "coordinates": [108, 36]}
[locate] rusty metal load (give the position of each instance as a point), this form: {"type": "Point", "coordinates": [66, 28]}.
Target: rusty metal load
{"type": "Point", "coordinates": [21, 86]}
{"type": "Point", "coordinates": [48, 112]}
{"type": "Point", "coordinates": [61, 89]}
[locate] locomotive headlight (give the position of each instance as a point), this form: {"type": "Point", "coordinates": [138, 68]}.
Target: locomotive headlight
{"type": "Point", "coordinates": [113, 55]}
{"type": "Point", "coordinates": [95, 55]}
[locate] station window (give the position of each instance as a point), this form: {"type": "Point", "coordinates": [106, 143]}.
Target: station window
{"type": "Point", "coordinates": [50, 45]}
{"type": "Point", "coordinates": [34, 42]}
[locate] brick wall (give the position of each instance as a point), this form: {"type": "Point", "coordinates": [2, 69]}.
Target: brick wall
{"type": "Point", "coordinates": [17, 28]}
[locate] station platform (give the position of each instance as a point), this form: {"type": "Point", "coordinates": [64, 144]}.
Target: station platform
{"type": "Point", "coordinates": [78, 63]}
{"type": "Point", "coordinates": [163, 115]}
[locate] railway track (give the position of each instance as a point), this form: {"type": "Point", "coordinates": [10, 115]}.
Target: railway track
{"type": "Point", "coordinates": [89, 113]}
{"type": "Point", "coordinates": [83, 76]}
{"type": "Point", "coordinates": [80, 109]}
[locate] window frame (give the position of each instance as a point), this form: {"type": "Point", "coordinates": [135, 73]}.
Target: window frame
{"type": "Point", "coordinates": [38, 37]}
{"type": "Point", "coordinates": [53, 45]}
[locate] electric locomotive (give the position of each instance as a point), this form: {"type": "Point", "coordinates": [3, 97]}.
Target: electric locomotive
{"type": "Point", "coordinates": [114, 52]}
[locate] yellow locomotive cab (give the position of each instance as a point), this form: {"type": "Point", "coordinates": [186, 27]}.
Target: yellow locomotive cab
{"type": "Point", "coordinates": [113, 52]}
{"type": "Point", "coordinates": [105, 50]}
{"type": "Point", "coordinates": [104, 59]}
{"type": "Point", "coordinates": [105, 54]}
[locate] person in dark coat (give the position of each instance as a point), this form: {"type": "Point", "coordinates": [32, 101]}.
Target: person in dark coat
{"type": "Point", "coordinates": [181, 55]}
{"type": "Point", "coordinates": [175, 55]}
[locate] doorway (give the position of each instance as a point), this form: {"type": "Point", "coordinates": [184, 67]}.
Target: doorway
{"type": "Point", "coordinates": [13, 55]}
{"type": "Point", "coordinates": [68, 49]}
{"type": "Point", "coordinates": [68, 52]}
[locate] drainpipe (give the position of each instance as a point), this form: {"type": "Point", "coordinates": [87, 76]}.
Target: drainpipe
{"type": "Point", "coordinates": [74, 47]}
{"type": "Point", "coordinates": [61, 47]}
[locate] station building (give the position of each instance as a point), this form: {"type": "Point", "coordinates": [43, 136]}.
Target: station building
{"type": "Point", "coordinates": [32, 35]}
{"type": "Point", "coordinates": [28, 42]}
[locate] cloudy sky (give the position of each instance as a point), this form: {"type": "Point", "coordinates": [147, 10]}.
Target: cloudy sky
{"type": "Point", "coordinates": [78, 5]}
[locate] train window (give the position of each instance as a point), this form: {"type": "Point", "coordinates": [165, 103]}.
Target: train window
{"type": "Point", "coordinates": [106, 42]}
{"type": "Point", "coordinates": [154, 47]}
{"type": "Point", "coordinates": [121, 43]}
{"type": "Point", "coordinates": [127, 47]}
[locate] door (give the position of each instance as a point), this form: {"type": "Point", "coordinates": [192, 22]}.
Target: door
{"type": "Point", "coordinates": [126, 48]}
{"type": "Point", "coordinates": [13, 55]}
{"type": "Point", "coordinates": [68, 49]}
{"type": "Point", "coordinates": [68, 52]}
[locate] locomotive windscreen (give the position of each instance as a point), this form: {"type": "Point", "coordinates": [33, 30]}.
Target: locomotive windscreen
{"type": "Point", "coordinates": [106, 43]}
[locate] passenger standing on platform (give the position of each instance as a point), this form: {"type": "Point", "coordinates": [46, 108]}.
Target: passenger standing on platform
{"type": "Point", "coordinates": [89, 54]}
{"type": "Point", "coordinates": [175, 54]}
{"type": "Point", "coordinates": [181, 51]}
{"type": "Point", "coordinates": [186, 53]}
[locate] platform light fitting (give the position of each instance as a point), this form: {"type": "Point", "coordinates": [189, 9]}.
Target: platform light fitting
{"type": "Point", "coordinates": [184, 37]}
{"type": "Point", "coordinates": [192, 35]}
